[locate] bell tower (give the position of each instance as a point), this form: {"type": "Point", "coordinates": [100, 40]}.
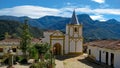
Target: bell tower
{"type": "Point", "coordinates": [74, 32]}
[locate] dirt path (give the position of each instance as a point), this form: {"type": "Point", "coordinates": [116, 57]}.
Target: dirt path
{"type": "Point", "coordinates": [59, 64]}
{"type": "Point", "coordinates": [75, 62]}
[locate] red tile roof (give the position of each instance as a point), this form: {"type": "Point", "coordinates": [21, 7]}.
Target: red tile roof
{"type": "Point", "coordinates": [50, 31]}
{"type": "Point", "coordinates": [109, 44]}
{"type": "Point", "coordinates": [34, 40]}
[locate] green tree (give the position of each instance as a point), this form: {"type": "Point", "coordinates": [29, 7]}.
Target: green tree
{"type": "Point", "coordinates": [14, 35]}
{"type": "Point", "coordinates": [25, 39]}
{"type": "Point", "coordinates": [33, 52]}
{"type": "Point", "coordinates": [42, 49]}
{"type": "Point", "coordinates": [7, 35]}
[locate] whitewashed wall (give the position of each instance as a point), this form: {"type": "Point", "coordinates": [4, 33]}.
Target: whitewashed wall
{"type": "Point", "coordinates": [95, 53]}
{"type": "Point", "coordinates": [117, 59]}
{"type": "Point", "coordinates": [66, 44]}
{"type": "Point", "coordinates": [72, 46]}
{"type": "Point", "coordinates": [47, 37]}
{"type": "Point", "coordinates": [79, 47]}
{"type": "Point", "coordinates": [71, 31]}
{"type": "Point", "coordinates": [80, 31]}
{"type": "Point", "coordinates": [67, 29]}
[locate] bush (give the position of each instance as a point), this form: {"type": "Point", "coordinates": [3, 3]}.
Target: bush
{"type": "Point", "coordinates": [23, 61]}
{"type": "Point", "coordinates": [18, 58]}
{"type": "Point", "coordinates": [41, 64]}
{"type": "Point", "coordinates": [47, 55]}
{"type": "Point", "coordinates": [35, 65]}
{"type": "Point", "coordinates": [33, 52]}
{"type": "Point", "coordinates": [6, 61]}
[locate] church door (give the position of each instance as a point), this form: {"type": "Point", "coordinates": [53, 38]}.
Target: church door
{"type": "Point", "coordinates": [57, 49]}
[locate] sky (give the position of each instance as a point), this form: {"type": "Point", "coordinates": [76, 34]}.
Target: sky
{"type": "Point", "coordinates": [97, 9]}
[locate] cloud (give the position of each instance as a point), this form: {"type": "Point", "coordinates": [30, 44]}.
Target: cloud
{"type": "Point", "coordinates": [99, 1]}
{"type": "Point", "coordinates": [28, 10]}
{"type": "Point", "coordinates": [98, 17]}
{"type": "Point", "coordinates": [108, 11]}
{"type": "Point", "coordinates": [38, 11]}
{"type": "Point", "coordinates": [99, 11]}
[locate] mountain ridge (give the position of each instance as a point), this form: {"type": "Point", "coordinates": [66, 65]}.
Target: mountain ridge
{"type": "Point", "coordinates": [92, 29]}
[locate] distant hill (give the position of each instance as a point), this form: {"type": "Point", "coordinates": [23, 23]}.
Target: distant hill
{"type": "Point", "coordinates": [92, 30]}
{"type": "Point", "coordinates": [14, 28]}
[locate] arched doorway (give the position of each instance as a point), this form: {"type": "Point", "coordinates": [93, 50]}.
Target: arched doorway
{"type": "Point", "coordinates": [57, 49]}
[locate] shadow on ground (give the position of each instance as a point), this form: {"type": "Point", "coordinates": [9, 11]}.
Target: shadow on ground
{"type": "Point", "coordinates": [93, 64]}
{"type": "Point", "coordinates": [58, 57]}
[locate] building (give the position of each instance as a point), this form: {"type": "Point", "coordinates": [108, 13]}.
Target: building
{"type": "Point", "coordinates": [13, 44]}
{"type": "Point", "coordinates": [105, 51]}
{"type": "Point", "coordinates": [69, 43]}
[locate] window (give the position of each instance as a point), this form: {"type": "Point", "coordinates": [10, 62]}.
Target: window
{"type": "Point", "coordinates": [1, 49]}
{"type": "Point", "coordinates": [14, 49]}
{"type": "Point", "coordinates": [75, 29]}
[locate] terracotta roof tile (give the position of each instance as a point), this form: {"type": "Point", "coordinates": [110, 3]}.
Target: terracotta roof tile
{"type": "Point", "coordinates": [50, 31]}
{"type": "Point", "coordinates": [34, 40]}
{"type": "Point", "coordinates": [109, 44]}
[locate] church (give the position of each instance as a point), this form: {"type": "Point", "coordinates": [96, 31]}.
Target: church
{"type": "Point", "coordinates": [69, 43]}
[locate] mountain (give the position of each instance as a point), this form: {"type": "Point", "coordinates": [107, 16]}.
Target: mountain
{"type": "Point", "coordinates": [32, 22]}
{"type": "Point", "coordinates": [50, 22]}
{"type": "Point", "coordinates": [92, 30]}
{"type": "Point", "coordinates": [14, 28]}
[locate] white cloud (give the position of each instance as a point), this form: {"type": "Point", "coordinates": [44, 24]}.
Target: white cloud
{"type": "Point", "coordinates": [99, 11]}
{"type": "Point", "coordinates": [98, 17]}
{"type": "Point", "coordinates": [38, 11]}
{"type": "Point", "coordinates": [99, 1]}
{"type": "Point", "coordinates": [108, 11]}
{"type": "Point", "coordinates": [85, 10]}
{"type": "Point", "coordinates": [31, 11]}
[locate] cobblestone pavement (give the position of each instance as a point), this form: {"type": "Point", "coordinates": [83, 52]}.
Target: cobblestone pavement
{"type": "Point", "coordinates": [76, 62]}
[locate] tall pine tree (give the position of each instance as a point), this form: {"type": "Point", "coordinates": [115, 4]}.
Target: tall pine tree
{"type": "Point", "coordinates": [25, 39]}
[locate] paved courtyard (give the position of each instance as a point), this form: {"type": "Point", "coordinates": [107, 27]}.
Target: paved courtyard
{"type": "Point", "coordinates": [71, 61]}
{"type": "Point", "coordinates": [76, 62]}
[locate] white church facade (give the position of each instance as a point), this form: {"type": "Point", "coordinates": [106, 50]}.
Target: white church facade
{"type": "Point", "coordinates": [69, 43]}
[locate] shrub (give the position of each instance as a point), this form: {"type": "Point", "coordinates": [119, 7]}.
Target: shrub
{"type": "Point", "coordinates": [24, 61]}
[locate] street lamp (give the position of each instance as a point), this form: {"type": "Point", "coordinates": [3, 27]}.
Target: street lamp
{"type": "Point", "coordinates": [10, 53]}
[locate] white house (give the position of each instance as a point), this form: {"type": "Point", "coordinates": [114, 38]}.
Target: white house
{"type": "Point", "coordinates": [13, 44]}
{"type": "Point", "coordinates": [70, 42]}
{"type": "Point", "coordinates": [105, 51]}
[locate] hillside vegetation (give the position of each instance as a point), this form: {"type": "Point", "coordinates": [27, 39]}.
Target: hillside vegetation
{"type": "Point", "coordinates": [14, 28]}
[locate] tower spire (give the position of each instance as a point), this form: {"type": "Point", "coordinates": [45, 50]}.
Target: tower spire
{"type": "Point", "coordinates": [74, 19]}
